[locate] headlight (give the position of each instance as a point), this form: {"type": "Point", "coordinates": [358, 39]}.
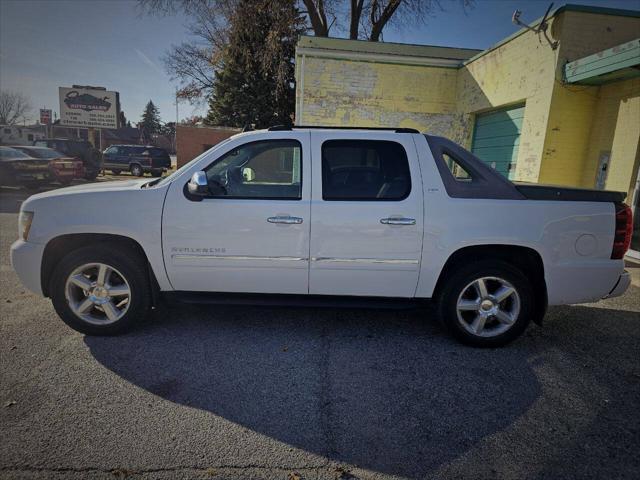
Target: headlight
{"type": "Point", "coordinates": [24, 224]}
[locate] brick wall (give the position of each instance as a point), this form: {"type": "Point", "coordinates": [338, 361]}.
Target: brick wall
{"type": "Point", "coordinates": [192, 141]}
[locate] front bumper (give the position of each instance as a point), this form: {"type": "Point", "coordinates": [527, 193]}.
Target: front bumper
{"type": "Point", "coordinates": [623, 284]}
{"type": "Point", "coordinates": [26, 260]}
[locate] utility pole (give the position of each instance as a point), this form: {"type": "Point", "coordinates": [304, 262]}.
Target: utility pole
{"type": "Point", "coordinates": [175, 130]}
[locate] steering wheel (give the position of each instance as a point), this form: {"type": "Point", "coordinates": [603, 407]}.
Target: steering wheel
{"type": "Point", "coordinates": [224, 178]}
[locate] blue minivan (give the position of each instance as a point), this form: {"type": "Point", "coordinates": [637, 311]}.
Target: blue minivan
{"type": "Point", "coordinates": [136, 159]}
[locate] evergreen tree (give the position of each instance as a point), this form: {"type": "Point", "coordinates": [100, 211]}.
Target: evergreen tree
{"type": "Point", "coordinates": [256, 84]}
{"type": "Point", "coordinates": [150, 123]}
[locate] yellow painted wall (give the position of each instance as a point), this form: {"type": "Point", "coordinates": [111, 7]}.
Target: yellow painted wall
{"type": "Point", "coordinates": [361, 93]}
{"type": "Point", "coordinates": [519, 71]}
{"type": "Point", "coordinates": [580, 122]}
{"type": "Point", "coordinates": [582, 34]}
{"type": "Point", "coordinates": [616, 117]}
{"type": "Point", "coordinates": [564, 127]}
{"type": "Point", "coordinates": [625, 148]}
{"type": "Point", "coordinates": [566, 140]}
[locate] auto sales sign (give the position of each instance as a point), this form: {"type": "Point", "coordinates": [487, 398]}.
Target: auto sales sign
{"type": "Point", "coordinates": [88, 107]}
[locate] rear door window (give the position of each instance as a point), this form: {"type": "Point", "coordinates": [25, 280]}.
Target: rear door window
{"type": "Point", "coordinates": [364, 170]}
{"type": "Point", "coordinates": [158, 152]}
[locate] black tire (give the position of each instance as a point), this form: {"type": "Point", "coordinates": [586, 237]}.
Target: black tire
{"type": "Point", "coordinates": [125, 261]}
{"type": "Point", "coordinates": [91, 175]}
{"type": "Point", "coordinates": [156, 173]}
{"type": "Point", "coordinates": [461, 278]}
{"type": "Point", "coordinates": [115, 171]}
{"type": "Point", "coordinates": [136, 170]}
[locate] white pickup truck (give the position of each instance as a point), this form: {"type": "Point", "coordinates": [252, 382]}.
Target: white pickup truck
{"type": "Point", "coordinates": [323, 215]}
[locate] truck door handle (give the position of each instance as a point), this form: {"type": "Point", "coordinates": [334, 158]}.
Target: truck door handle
{"type": "Point", "coordinates": [398, 221]}
{"type": "Point", "coordinates": [286, 219]}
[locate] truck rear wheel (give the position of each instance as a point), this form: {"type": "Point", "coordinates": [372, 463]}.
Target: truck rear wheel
{"type": "Point", "coordinates": [100, 290]}
{"type": "Point", "coordinates": [487, 303]}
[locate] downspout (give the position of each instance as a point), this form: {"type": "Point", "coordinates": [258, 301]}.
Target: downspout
{"type": "Point", "coordinates": [301, 102]}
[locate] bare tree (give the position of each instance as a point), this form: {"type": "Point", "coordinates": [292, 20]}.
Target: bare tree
{"type": "Point", "coordinates": [14, 107]}
{"type": "Point", "coordinates": [370, 17]}
{"type": "Point", "coordinates": [194, 63]}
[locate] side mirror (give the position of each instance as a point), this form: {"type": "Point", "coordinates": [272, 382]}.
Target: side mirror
{"type": "Point", "coordinates": [198, 185]}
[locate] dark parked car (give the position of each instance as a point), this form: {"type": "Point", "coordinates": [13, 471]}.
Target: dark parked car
{"type": "Point", "coordinates": [18, 168]}
{"type": "Point", "coordinates": [63, 169]}
{"type": "Point", "coordinates": [82, 149]}
{"type": "Point", "coordinates": [137, 159]}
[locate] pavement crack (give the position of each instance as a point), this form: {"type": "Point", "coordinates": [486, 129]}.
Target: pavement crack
{"type": "Point", "coordinates": [326, 411]}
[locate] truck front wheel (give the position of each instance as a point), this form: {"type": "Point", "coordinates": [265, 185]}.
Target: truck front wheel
{"type": "Point", "coordinates": [487, 303]}
{"type": "Point", "coordinates": [100, 290]}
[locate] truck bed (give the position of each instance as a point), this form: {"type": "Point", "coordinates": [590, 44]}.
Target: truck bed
{"type": "Point", "coordinates": [569, 194]}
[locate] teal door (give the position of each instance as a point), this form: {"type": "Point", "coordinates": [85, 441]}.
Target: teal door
{"type": "Point", "coordinates": [496, 137]}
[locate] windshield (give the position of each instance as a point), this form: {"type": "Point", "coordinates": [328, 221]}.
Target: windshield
{"type": "Point", "coordinates": [6, 152]}
{"type": "Point", "coordinates": [186, 166]}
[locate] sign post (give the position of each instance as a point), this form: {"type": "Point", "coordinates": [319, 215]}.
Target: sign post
{"type": "Point", "coordinates": [45, 119]}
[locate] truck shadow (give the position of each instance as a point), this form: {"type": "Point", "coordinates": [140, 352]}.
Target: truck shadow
{"type": "Point", "coordinates": [386, 391]}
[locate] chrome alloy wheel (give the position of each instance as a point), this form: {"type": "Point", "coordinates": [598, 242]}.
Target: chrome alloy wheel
{"type": "Point", "coordinates": [488, 306]}
{"type": "Point", "coordinates": [98, 293]}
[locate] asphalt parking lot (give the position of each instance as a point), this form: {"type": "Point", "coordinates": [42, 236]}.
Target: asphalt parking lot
{"type": "Point", "coordinates": [239, 392]}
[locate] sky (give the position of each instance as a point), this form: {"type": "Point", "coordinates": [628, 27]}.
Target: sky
{"type": "Point", "coordinates": [52, 43]}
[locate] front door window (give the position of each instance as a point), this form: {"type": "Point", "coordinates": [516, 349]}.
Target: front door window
{"type": "Point", "coordinates": [265, 169]}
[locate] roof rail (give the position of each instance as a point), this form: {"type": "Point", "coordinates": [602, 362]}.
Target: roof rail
{"type": "Point", "coordinates": [277, 128]}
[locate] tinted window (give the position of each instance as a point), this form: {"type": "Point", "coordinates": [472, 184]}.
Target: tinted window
{"type": "Point", "coordinates": [255, 170]}
{"type": "Point", "coordinates": [457, 170]}
{"type": "Point", "coordinates": [158, 152]}
{"type": "Point", "coordinates": [111, 150]}
{"type": "Point", "coordinates": [41, 152]}
{"type": "Point", "coordinates": [60, 147]}
{"type": "Point", "coordinates": [6, 152]}
{"type": "Point", "coordinates": [364, 170]}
